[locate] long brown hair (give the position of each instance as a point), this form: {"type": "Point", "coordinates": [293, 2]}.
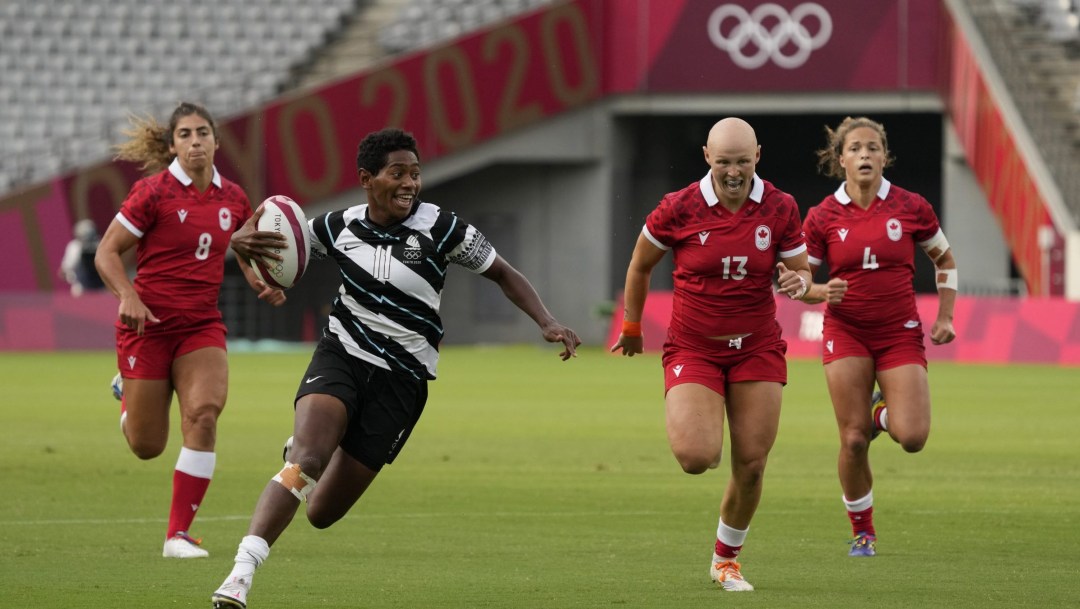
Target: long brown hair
{"type": "Point", "coordinates": [829, 156]}
{"type": "Point", "coordinates": [149, 141]}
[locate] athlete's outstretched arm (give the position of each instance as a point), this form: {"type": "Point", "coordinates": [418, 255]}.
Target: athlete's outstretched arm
{"type": "Point", "coordinates": [520, 292]}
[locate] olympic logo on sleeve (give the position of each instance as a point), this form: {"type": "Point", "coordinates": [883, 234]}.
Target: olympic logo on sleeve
{"type": "Point", "coordinates": [768, 42]}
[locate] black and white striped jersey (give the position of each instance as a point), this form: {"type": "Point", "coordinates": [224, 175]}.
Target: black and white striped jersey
{"type": "Point", "coordinates": [387, 309]}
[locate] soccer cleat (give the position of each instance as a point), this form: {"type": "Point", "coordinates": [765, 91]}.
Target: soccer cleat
{"type": "Point", "coordinates": [863, 545]}
{"type": "Point", "coordinates": [118, 386]}
{"type": "Point", "coordinates": [182, 545]}
{"type": "Point", "coordinates": [232, 594]}
{"type": "Point", "coordinates": [726, 573]}
{"type": "Point", "coordinates": [285, 451]}
{"type": "Point", "coordinates": [877, 404]}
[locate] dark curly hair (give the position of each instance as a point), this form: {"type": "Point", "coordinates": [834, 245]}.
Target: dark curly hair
{"type": "Point", "coordinates": [375, 148]}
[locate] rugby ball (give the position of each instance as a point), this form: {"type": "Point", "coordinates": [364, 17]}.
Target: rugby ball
{"type": "Point", "coordinates": [282, 215]}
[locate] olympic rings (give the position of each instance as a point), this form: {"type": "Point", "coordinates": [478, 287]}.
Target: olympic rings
{"type": "Point", "coordinates": [769, 41]}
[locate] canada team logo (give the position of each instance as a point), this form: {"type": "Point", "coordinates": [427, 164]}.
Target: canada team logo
{"type": "Point", "coordinates": [769, 33]}
{"type": "Point", "coordinates": [224, 218]}
{"type": "Point", "coordinates": [762, 237]}
{"type": "Point", "coordinates": [894, 229]}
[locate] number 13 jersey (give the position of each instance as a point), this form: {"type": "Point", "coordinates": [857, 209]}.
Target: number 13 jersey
{"type": "Point", "coordinates": [725, 261]}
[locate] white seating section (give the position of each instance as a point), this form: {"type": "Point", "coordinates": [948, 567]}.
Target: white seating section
{"type": "Point", "coordinates": [422, 23]}
{"type": "Point", "coordinates": [71, 73]}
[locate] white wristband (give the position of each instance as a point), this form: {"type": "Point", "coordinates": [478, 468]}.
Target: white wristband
{"type": "Point", "coordinates": [802, 290]}
{"type": "Point", "coordinates": [951, 280]}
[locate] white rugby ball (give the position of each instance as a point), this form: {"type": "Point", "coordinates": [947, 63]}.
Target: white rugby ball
{"type": "Point", "coordinates": [282, 215]}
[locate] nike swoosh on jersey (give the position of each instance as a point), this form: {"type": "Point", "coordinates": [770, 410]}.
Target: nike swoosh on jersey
{"type": "Point", "coordinates": [313, 379]}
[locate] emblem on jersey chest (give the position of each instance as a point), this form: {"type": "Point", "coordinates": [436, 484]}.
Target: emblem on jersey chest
{"type": "Point", "coordinates": [224, 217]}
{"type": "Point", "coordinates": [843, 233]}
{"type": "Point", "coordinates": [893, 229]}
{"type": "Point", "coordinates": [762, 237]}
{"type": "Point", "coordinates": [412, 252]}
{"type": "Point", "coordinates": [703, 235]}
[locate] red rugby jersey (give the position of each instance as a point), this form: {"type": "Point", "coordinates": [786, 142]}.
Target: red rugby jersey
{"type": "Point", "coordinates": [725, 262]}
{"type": "Point", "coordinates": [183, 236]}
{"type": "Point", "coordinates": [874, 250]}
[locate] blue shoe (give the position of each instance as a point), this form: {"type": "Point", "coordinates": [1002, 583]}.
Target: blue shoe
{"type": "Point", "coordinates": [877, 404]}
{"type": "Point", "coordinates": [863, 545]}
{"type": "Point", "coordinates": [118, 386]}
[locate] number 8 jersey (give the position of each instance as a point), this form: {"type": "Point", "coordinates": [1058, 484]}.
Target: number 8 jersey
{"type": "Point", "coordinates": [874, 250]}
{"type": "Point", "coordinates": [183, 237]}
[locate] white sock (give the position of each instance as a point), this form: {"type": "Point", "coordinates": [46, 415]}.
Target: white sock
{"type": "Point", "coordinates": [860, 505]}
{"type": "Point", "coordinates": [731, 537]}
{"type": "Point", "coordinates": [197, 463]}
{"type": "Point", "coordinates": [253, 551]}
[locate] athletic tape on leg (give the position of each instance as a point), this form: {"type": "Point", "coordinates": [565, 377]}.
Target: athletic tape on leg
{"type": "Point", "coordinates": [295, 481]}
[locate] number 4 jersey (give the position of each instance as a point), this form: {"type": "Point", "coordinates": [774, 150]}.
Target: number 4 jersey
{"type": "Point", "coordinates": [874, 250]}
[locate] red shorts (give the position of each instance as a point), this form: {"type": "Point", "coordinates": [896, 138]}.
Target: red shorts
{"type": "Point", "coordinates": [151, 355]}
{"type": "Point", "coordinates": [715, 363]}
{"type": "Point", "coordinates": [888, 348]}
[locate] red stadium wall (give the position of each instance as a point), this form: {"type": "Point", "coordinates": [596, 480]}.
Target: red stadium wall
{"type": "Point", "coordinates": [497, 80]}
{"type": "Point", "coordinates": [988, 330]}
{"type": "Point", "coordinates": [1006, 180]}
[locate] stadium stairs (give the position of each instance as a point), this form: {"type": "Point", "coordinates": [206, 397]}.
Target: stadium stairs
{"type": "Point", "coordinates": [1041, 70]}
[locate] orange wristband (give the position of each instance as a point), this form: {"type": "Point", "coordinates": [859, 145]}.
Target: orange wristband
{"type": "Point", "coordinates": [631, 328]}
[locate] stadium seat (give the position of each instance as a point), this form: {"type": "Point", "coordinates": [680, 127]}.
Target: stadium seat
{"type": "Point", "coordinates": [421, 23]}
{"type": "Point", "coordinates": [107, 60]}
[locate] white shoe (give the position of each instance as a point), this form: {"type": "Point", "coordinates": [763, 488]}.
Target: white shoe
{"type": "Point", "coordinates": [727, 574]}
{"type": "Point", "coordinates": [232, 594]}
{"type": "Point", "coordinates": [285, 451]}
{"type": "Point", "coordinates": [182, 545]}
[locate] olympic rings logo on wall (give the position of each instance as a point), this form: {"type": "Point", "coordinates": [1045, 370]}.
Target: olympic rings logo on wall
{"type": "Point", "coordinates": [770, 42]}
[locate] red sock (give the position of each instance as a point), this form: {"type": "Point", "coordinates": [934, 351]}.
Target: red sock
{"type": "Point", "coordinates": [727, 552]}
{"type": "Point", "coordinates": [862, 523]}
{"type": "Point", "coordinates": [188, 493]}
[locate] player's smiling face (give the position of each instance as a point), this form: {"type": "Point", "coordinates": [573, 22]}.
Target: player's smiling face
{"type": "Point", "coordinates": [863, 156]}
{"type": "Point", "coordinates": [193, 143]}
{"type": "Point", "coordinates": [392, 192]}
{"type": "Point", "coordinates": [733, 165]}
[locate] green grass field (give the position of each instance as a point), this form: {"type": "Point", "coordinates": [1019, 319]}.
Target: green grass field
{"type": "Point", "coordinates": [532, 482]}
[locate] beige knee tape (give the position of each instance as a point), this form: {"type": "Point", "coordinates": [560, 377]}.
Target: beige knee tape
{"type": "Point", "coordinates": [295, 481]}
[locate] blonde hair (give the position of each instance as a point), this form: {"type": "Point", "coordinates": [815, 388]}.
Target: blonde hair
{"type": "Point", "coordinates": [829, 156]}
{"type": "Point", "coordinates": [149, 141]}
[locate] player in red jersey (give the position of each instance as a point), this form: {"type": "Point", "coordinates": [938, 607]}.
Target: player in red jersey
{"type": "Point", "coordinates": [723, 353]}
{"type": "Point", "coordinates": [169, 333]}
{"type": "Point", "coordinates": [866, 233]}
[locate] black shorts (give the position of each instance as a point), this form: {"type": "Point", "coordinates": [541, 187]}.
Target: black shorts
{"type": "Point", "coordinates": [383, 407]}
